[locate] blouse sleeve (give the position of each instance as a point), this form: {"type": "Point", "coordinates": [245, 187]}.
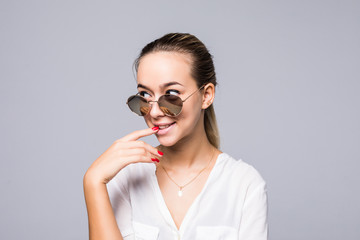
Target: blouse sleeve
{"type": "Point", "coordinates": [254, 215]}
{"type": "Point", "coordinates": [121, 205]}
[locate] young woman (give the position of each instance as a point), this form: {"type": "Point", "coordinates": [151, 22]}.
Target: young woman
{"type": "Point", "coordinates": [185, 188]}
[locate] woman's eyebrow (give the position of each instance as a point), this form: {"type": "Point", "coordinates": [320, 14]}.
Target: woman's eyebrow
{"type": "Point", "coordinates": [161, 86]}
{"type": "Point", "coordinates": [170, 84]}
{"type": "Point", "coordinates": [143, 86]}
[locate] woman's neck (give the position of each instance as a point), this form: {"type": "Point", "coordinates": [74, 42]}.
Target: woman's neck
{"type": "Point", "coordinates": [193, 152]}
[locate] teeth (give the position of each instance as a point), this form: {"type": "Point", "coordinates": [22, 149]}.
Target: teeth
{"type": "Point", "coordinates": [164, 126]}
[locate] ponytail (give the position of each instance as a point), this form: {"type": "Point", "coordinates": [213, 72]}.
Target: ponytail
{"type": "Point", "coordinates": [211, 128]}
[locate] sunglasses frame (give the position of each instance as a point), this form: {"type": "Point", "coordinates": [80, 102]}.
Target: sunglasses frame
{"type": "Point", "coordinates": [148, 102]}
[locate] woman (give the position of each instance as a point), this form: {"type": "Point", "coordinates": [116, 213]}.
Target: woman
{"type": "Point", "coordinates": [185, 188]}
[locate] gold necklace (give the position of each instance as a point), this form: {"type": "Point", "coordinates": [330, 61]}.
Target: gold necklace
{"type": "Point", "coordinates": [181, 187]}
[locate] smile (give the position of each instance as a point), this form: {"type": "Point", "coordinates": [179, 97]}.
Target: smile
{"type": "Point", "coordinates": [164, 128]}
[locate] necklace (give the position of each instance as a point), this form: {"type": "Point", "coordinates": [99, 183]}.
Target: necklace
{"type": "Point", "coordinates": [181, 187]}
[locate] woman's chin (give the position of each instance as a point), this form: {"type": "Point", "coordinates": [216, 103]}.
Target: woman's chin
{"type": "Point", "coordinates": [166, 141]}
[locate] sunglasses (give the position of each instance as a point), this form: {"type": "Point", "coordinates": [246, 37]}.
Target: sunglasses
{"type": "Point", "coordinates": [170, 105]}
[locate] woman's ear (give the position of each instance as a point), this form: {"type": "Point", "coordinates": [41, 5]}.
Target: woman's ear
{"type": "Point", "coordinates": [208, 95]}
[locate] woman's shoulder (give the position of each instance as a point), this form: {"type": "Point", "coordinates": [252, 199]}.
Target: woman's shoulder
{"type": "Point", "coordinates": [239, 170]}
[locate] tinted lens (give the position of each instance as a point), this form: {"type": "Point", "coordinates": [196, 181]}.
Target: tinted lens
{"type": "Point", "coordinates": [138, 105]}
{"type": "Point", "coordinates": [171, 105]}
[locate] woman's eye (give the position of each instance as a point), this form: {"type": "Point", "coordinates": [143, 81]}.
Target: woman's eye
{"type": "Point", "coordinates": [144, 94]}
{"type": "Point", "coordinates": [172, 92]}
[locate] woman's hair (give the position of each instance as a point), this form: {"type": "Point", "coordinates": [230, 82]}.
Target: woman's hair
{"type": "Point", "coordinates": [202, 69]}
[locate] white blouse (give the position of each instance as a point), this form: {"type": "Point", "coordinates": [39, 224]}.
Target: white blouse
{"type": "Point", "coordinates": [232, 204]}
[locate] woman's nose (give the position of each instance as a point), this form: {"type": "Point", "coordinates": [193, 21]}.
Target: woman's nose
{"type": "Point", "coordinates": [155, 110]}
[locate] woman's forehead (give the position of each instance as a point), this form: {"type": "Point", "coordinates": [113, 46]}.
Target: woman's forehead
{"type": "Point", "coordinates": [165, 69]}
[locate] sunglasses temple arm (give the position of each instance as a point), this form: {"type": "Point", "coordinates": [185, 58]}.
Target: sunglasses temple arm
{"type": "Point", "coordinates": [193, 93]}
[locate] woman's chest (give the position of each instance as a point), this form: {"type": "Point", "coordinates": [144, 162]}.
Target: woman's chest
{"type": "Point", "coordinates": [180, 197]}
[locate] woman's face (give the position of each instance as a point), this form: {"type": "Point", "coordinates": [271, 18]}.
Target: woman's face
{"type": "Point", "coordinates": [162, 73]}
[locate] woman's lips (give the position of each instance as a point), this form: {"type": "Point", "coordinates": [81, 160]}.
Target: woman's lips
{"type": "Point", "coordinates": [163, 129]}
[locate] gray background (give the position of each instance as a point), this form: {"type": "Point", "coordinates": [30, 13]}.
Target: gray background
{"type": "Point", "coordinates": [287, 103]}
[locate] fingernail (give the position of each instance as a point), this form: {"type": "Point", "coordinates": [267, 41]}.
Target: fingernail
{"type": "Point", "coordinates": [155, 160]}
{"type": "Point", "coordinates": [161, 153]}
{"type": "Point", "coordinates": [155, 128]}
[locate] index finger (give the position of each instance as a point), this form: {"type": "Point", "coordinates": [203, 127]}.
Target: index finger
{"type": "Point", "coordinates": [139, 134]}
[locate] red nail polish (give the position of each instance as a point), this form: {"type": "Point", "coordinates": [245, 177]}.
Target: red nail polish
{"type": "Point", "coordinates": [161, 153]}
{"type": "Point", "coordinates": [155, 128]}
{"type": "Point", "coordinates": [155, 160]}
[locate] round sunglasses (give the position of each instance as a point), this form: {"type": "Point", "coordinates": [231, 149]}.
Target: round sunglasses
{"type": "Point", "coordinates": [170, 105]}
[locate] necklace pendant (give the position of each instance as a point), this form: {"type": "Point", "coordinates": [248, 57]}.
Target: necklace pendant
{"type": "Point", "coordinates": [180, 192]}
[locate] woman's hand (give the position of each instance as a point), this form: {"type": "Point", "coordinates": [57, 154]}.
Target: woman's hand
{"type": "Point", "coordinates": [102, 222]}
{"type": "Point", "coordinates": [121, 153]}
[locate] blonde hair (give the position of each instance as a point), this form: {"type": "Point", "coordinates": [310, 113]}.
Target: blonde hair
{"type": "Point", "coordinates": [202, 71]}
